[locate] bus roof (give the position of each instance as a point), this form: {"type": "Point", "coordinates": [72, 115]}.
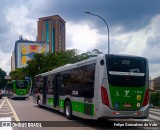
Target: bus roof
{"type": "Point", "coordinates": [70, 66]}
{"type": "Point", "coordinates": [84, 62]}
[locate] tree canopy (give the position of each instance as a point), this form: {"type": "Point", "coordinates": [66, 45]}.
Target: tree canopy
{"type": "Point", "coordinates": [2, 78]}
{"type": "Point", "coordinates": [44, 62]}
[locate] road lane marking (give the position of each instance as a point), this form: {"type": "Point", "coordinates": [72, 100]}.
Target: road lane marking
{"type": "Point", "coordinates": [6, 113]}
{"type": "Point", "coordinates": [151, 109]}
{"type": "Point", "coordinates": [154, 117]}
{"type": "Point", "coordinates": [13, 111]}
{"type": "Point", "coordinates": [2, 103]}
{"type": "Point", "coordinates": [155, 112]}
{"type": "Point", "coordinates": [8, 108]}
{"type": "Point", "coordinates": [5, 110]}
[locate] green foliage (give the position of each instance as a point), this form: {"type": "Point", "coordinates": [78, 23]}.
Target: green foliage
{"type": "Point", "coordinates": [3, 81]}
{"type": "Point", "coordinates": [45, 62]}
{"type": "Point", "coordinates": [155, 98]}
{"type": "Point", "coordinates": [17, 74]}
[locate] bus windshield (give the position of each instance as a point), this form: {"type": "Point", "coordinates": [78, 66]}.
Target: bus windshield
{"type": "Point", "coordinates": [126, 71]}
{"type": "Point", "coordinates": [21, 84]}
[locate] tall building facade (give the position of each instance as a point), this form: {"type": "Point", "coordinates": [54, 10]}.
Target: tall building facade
{"type": "Point", "coordinates": [24, 50]}
{"type": "Point", "coordinates": [13, 67]}
{"type": "Point", "coordinates": [157, 83]}
{"type": "Point", "coordinates": [52, 29]}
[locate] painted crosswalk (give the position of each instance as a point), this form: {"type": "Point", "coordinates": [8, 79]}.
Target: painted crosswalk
{"type": "Point", "coordinates": [7, 114]}
{"type": "Point", "coordinates": [154, 114]}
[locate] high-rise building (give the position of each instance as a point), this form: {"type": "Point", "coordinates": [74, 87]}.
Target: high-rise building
{"type": "Point", "coordinates": [52, 29]}
{"type": "Point", "coordinates": [24, 50]}
{"type": "Point", "coordinates": [157, 83]}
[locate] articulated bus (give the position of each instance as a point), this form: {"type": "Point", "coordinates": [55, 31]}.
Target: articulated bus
{"type": "Point", "coordinates": [18, 89]}
{"type": "Point", "coordinates": [106, 86]}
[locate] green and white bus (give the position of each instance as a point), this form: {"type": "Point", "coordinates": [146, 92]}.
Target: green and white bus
{"type": "Point", "coordinates": [106, 86]}
{"type": "Point", "coordinates": [18, 89]}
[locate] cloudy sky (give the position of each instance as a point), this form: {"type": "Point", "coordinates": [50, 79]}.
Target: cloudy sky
{"type": "Point", "coordinates": [134, 26]}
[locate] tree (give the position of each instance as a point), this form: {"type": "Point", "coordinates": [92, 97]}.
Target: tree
{"type": "Point", "coordinates": [17, 74]}
{"type": "Point", "coordinates": [44, 62]}
{"type": "Point", "coordinates": [96, 52]}
{"type": "Point", "coordinates": [3, 81]}
{"type": "Point", "coordinates": [90, 54]}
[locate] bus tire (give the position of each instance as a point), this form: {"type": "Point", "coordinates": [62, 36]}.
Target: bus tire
{"type": "Point", "coordinates": [68, 110]}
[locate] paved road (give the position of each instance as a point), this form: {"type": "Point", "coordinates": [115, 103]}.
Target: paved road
{"type": "Point", "coordinates": [26, 110]}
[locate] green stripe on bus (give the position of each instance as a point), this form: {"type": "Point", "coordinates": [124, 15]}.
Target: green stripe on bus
{"type": "Point", "coordinates": [61, 103]}
{"type": "Point", "coordinates": [50, 101]}
{"type": "Point", "coordinates": [85, 108]}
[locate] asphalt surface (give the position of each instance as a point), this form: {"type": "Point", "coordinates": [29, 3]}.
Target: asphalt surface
{"type": "Point", "coordinates": [28, 112]}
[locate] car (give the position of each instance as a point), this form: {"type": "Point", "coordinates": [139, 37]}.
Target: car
{"type": "Point", "coordinates": [1, 94]}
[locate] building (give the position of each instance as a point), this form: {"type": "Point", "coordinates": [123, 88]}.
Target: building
{"type": "Point", "coordinates": [13, 61]}
{"type": "Point", "coordinates": [157, 83]}
{"type": "Point", "coordinates": [24, 50]}
{"type": "Point", "coordinates": [52, 29]}
{"type": "Point", "coordinates": [151, 84]}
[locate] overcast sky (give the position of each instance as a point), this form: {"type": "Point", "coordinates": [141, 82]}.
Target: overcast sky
{"type": "Point", "coordinates": [134, 26]}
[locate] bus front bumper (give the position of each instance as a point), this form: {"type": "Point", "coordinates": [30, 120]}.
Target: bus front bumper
{"type": "Point", "coordinates": [20, 96]}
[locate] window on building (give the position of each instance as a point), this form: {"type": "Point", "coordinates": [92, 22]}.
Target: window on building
{"type": "Point", "coordinates": [47, 31]}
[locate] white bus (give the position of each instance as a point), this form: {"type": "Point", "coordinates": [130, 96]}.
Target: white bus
{"type": "Point", "coordinates": [106, 86]}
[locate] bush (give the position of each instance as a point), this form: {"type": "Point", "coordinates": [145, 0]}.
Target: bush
{"type": "Point", "coordinates": [155, 98]}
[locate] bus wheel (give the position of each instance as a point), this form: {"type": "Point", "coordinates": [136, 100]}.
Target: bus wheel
{"type": "Point", "coordinates": [68, 110]}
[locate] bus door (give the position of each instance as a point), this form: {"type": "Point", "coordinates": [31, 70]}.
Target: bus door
{"type": "Point", "coordinates": [45, 90]}
{"type": "Point", "coordinates": [56, 90]}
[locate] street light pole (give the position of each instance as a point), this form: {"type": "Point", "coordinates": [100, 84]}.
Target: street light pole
{"type": "Point", "coordinates": [106, 25]}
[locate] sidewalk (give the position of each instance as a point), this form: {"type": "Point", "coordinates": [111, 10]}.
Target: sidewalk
{"type": "Point", "coordinates": [153, 109]}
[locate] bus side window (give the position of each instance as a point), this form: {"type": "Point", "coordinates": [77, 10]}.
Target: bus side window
{"type": "Point", "coordinates": [64, 83]}
{"type": "Point", "coordinates": [89, 81]}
